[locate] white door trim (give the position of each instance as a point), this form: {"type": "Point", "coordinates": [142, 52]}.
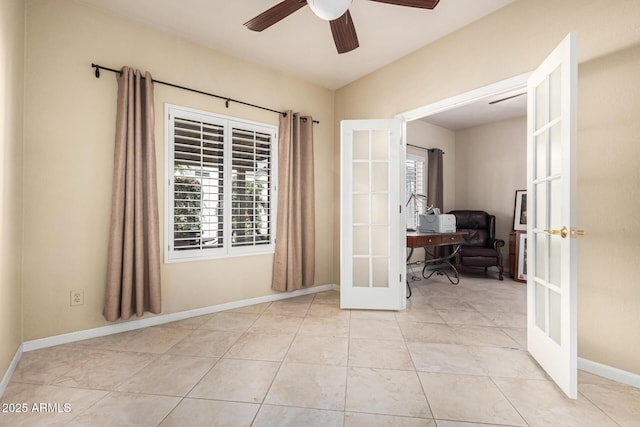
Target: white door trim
{"type": "Point", "coordinates": [512, 83]}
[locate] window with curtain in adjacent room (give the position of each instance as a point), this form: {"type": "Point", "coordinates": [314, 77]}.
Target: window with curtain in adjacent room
{"type": "Point", "coordinates": [221, 185]}
{"type": "Point", "coordinates": [415, 189]}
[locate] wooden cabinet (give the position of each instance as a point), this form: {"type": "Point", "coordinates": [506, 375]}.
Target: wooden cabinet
{"type": "Point", "coordinates": [514, 252]}
{"type": "Point", "coordinates": [513, 260]}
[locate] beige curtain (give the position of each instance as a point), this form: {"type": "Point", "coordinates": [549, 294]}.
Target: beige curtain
{"type": "Point", "coordinates": [294, 260]}
{"type": "Point", "coordinates": [133, 275]}
{"type": "Point", "coordinates": [435, 186]}
{"type": "Point", "coordinates": [435, 179]}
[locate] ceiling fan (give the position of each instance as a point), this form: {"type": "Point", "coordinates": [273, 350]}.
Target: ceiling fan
{"type": "Point", "coordinates": [334, 11]}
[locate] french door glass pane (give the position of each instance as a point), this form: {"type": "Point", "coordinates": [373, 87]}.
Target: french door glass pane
{"type": "Point", "coordinates": [380, 209]}
{"type": "Point", "coordinates": [361, 272]}
{"type": "Point", "coordinates": [540, 99]}
{"type": "Point", "coordinates": [380, 241]}
{"type": "Point", "coordinates": [541, 246]}
{"type": "Point", "coordinates": [555, 94]}
{"type": "Point", "coordinates": [541, 205]}
{"type": "Point", "coordinates": [380, 145]}
{"type": "Point", "coordinates": [360, 145]}
{"type": "Point", "coordinates": [555, 200]}
{"type": "Point", "coordinates": [555, 260]}
{"type": "Point", "coordinates": [380, 177]}
{"type": "Point", "coordinates": [361, 177]}
{"type": "Point", "coordinates": [540, 311]}
{"type": "Point", "coordinates": [541, 155]}
{"type": "Point", "coordinates": [555, 322]}
{"type": "Point", "coordinates": [380, 272]}
{"type": "Point", "coordinates": [555, 147]}
{"type": "Point", "coordinates": [361, 240]}
{"type": "Point", "coordinates": [360, 208]}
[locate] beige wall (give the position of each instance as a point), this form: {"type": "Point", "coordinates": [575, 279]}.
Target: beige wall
{"type": "Point", "coordinates": [608, 205]}
{"type": "Point", "coordinates": [513, 41]}
{"type": "Point", "coordinates": [11, 107]}
{"type": "Point", "coordinates": [70, 118]}
{"type": "Point", "coordinates": [491, 164]}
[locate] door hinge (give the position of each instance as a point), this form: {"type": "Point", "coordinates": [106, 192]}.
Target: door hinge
{"type": "Point", "coordinates": [400, 208]}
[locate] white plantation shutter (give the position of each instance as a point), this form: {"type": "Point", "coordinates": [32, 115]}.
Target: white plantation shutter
{"type": "Point", "coordinates": [198, 190]}
{"type": "Point", "coordinates": [220, 198]}
{"type": "Point", "coordinates": [251, 174]}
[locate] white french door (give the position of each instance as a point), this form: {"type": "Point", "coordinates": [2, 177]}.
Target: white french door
{"type": "Point", "coordinates": [551, 243]}
{"type": "Point", "coordinates": [372, 236]}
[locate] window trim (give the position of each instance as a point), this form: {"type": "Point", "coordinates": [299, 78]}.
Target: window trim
{"type": "Point", "coordinates": [228, 123]}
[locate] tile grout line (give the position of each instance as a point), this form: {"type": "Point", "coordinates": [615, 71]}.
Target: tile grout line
{"type": "Point", "coordinates": [348, 367]}
{"type": "Point", "coordinates": [508, 400]}
{"type": "Point", "coordinates": [605, 413]}
{"type": "Point", "coordinates": [416, 372]}
{"type": "Point", "coordinates": [218, 359]}
{"type": "Point", "coordinates": [281, 363]}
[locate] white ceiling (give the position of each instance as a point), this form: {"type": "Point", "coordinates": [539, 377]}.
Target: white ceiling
{"type": "Point", "coordinates": [302, 44]}
{"type": "Point", "coordinates": [480, 112]}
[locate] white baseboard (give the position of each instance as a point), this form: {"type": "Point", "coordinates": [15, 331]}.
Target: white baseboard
{"type": "Point", "coordinates": [615, 374]}
{"type": "Point", "coordinates": [164, 318]}
{"type": "Point", "coordinates": [12, 367]}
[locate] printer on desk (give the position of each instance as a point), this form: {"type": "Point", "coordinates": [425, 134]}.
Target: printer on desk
{"type": "Point", "coordinates": [437, 222]}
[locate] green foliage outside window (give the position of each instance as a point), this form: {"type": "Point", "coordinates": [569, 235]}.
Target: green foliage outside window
{"type": "Point", "coordinates": [188, 203]}
{"type": "Point", "coordinates": [248, 208]}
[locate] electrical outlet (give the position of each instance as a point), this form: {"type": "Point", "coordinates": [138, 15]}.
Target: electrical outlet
{"type": "Point", "coordinates": [77, 297]}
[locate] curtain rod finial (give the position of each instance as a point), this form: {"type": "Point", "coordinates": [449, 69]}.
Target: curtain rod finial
{"type": "Point", "coordinates": [97, 70]}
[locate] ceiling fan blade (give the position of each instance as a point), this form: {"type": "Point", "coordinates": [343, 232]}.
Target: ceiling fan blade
{"type": "Point", "coordinates": [422, 4]}
{"type": "Point", "coordinates": [344, 33]}
{"type": "Point", "coordinates": [275, 14]}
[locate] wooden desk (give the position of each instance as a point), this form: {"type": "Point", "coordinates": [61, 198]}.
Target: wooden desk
{"type": "Point", "coordinates": [417, 239]}
{"type": "Point", "coordinates": [442, 264]}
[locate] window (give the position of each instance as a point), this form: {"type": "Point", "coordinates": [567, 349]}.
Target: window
{"type": "Point", "coordinates": [221, 185]}
{"type": "Point", "coordinates": [415, 193]}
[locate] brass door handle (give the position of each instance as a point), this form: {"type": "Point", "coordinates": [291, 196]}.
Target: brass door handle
{"type": "Point", "coordinates": [563, 232]}
{"type": "Point", "coordinates": [575, 232]}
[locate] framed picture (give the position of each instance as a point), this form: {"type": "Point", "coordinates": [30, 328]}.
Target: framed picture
{"type": "Point", "coordinates": [521, 270]}
{"type": "Point", "coordinates": [520, 211]}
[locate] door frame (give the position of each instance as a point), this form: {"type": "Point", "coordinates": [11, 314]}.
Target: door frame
{"type": "Point", "coordinates": [501, 87]}
{"type": "Point", "coordinates": [507, 85]}
{"type": "Point", "coordinates": [511, 84]}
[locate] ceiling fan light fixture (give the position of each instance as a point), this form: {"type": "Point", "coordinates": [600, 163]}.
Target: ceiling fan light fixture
{"type": "Point", "coordinates": [329, 9]}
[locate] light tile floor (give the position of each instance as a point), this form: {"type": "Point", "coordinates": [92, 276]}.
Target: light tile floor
{"type": "Point", "coordinates": [454, 358]}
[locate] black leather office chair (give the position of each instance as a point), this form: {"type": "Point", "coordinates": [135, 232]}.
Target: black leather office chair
{"type": "Point", "coordinates": [480, 247]}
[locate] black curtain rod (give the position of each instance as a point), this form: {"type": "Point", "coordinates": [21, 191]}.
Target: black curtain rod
{"type": "Point", "coordinates": [226, 99]}
{"type": "Point", "coordinates": [422, 148]}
